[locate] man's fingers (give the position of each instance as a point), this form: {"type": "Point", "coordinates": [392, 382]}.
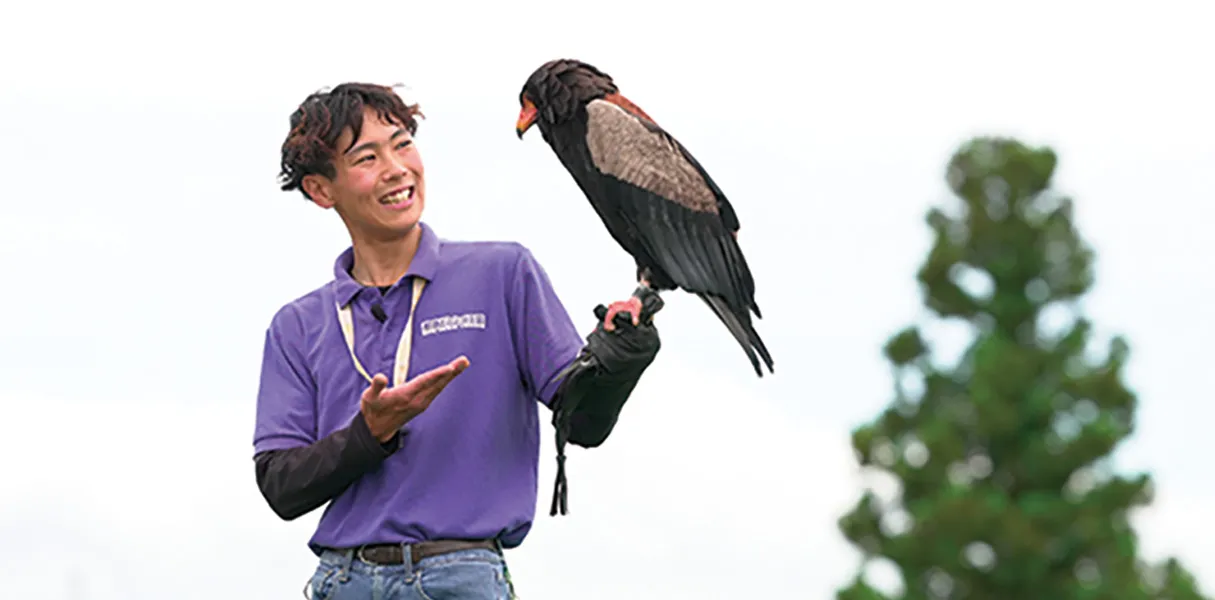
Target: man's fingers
{"type": "Point", "coordinates": [446, 375]}
{"type": "Point", "coordinates": [434, 379]}
{"type": "Point", "coordinates": [416, 386]}
{"type": "Point", "coordinates": [455, 368]}
{"type": "Point", "coordinates": [442, 373]}
{"type": "Point", "coordinates": [378, 383]}
{"type": "Point", "coordinates": [418, 398]}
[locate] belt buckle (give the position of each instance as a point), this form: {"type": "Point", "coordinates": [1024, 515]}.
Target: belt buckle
{"type": "Point", "coordinates": [359, 554]}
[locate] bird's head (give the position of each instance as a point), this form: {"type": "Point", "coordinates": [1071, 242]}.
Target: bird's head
{"type": "Point", "coordinates": [555, 91]}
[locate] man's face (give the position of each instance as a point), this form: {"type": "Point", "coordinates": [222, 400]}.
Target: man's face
{"type": "Point", "coordinates": [379, 186]}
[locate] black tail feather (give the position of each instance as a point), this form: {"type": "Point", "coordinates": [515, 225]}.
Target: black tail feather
{"type": "Point", "coordinates": [742, 331]}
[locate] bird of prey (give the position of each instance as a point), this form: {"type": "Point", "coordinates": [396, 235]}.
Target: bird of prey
{"type": "Point", "coordinates": [654, 198]}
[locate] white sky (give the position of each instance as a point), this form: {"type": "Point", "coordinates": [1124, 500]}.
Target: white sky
{"type": "Point", "coordinates": [145, 247]}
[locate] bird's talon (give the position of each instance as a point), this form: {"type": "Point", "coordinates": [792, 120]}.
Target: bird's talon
{"type": "Point", "coordinates": [632, 306]}
{"type": "Point", "coordinates": [635, 306]}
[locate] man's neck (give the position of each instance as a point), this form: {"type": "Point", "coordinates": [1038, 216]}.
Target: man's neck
{"type": "Point", "coordinates": [381, 262]}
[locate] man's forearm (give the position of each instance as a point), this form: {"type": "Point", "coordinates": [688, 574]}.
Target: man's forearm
{"type": "Point", "coordinates": [296, 481]}
{"type": "Point", "coordinates": [585, 410]}
{"type": "Point", "coordinates": [601, 399]}
{"type": "Point", "coordinates": [595, 387]}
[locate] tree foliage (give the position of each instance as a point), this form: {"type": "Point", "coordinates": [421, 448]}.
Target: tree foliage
{"type": "Point", "coordinates": [1002, 457]}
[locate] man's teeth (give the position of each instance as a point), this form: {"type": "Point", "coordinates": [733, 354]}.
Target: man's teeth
{"type": "Point", "coordinates": [398, 197]}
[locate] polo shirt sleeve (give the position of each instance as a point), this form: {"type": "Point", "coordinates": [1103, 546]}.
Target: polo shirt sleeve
{"type": "Point", "coordinates": [286, 397]}
{"type": "Point", "coordinates": [545, 338]}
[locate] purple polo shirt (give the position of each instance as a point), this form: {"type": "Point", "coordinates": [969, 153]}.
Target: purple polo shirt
{"type": "Point", "coordinates": [467, 467]}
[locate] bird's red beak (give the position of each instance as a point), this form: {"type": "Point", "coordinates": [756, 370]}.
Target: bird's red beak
{"type": "Point", "coordinates": [527, 118]}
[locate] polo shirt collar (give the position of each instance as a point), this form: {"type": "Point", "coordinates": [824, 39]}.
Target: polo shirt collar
{"type": "Point", "coordinates": [425, 264]}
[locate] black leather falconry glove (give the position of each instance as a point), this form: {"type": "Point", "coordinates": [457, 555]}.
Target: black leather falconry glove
{"type": "Point", "coordinates": [600, 381]}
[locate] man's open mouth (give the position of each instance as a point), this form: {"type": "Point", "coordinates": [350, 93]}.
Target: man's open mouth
{"type": "Point", "coordinates": [400, 196]}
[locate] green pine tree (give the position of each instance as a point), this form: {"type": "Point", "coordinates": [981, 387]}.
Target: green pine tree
{"type": "Point", "coordinates": [1002, 458]}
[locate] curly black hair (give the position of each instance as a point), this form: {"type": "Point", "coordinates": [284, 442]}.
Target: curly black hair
{"type": "Point", "coordinates": [321, 118]}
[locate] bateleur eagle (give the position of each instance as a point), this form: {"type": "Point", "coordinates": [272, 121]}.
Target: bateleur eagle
{"type": "Point", "coordinates": [655, 199]}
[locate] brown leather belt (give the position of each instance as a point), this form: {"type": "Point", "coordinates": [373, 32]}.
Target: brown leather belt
{"type": "Point", "coordinates": [394, 554]}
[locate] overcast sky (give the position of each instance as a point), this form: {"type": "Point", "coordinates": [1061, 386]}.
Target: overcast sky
{"type": "Point", "coordinates": [145, 247]}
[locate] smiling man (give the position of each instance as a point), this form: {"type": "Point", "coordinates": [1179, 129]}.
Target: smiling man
{"type": "Point", "coordinates": [404, 392]}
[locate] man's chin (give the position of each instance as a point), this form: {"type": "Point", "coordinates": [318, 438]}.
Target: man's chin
{"type": "Point", "coordinates": [404, 226]}
{"type": "Point", "coordinates": [384, 230]}
{"type": "Point", "coordinates": [401, 220]}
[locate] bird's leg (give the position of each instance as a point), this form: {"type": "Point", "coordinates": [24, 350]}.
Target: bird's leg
{"type": "Point", "coordinates": [643, 276]}
{"type": "Point", "coordinates": [634, 305]}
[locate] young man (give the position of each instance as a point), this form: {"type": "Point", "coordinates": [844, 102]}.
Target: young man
{"type": "Point", "coordinates": [404, 392]}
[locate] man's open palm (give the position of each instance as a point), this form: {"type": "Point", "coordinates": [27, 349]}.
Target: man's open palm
{"type": "Point", "coordinates": [387, 410]}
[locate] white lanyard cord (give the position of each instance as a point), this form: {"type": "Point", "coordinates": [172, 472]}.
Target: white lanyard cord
{"type": "Point", "coordinates": [401, 370]}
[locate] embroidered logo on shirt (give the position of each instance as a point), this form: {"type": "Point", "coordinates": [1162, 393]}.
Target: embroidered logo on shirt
{"type": "Point", "coordinates": [447, 323]}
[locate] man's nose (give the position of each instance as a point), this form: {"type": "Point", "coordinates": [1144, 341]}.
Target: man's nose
{"type": "Point", "coordinates": [396, 168]}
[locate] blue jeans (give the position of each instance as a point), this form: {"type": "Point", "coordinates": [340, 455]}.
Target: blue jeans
{"type": "Point", "coordinates": [460, 575]}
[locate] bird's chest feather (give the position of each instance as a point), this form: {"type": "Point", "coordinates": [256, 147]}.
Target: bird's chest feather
{"type": "Point", "coordinates": [568, 142]}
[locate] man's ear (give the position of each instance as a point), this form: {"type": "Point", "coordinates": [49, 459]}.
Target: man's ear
{"type": "Point", "coordinates": [318, 189]}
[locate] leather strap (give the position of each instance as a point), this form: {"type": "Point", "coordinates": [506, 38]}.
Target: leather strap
{"type": "Point", "coordinates": [394, 554]}
{"type": "Point", "coordinates": [400, 372]}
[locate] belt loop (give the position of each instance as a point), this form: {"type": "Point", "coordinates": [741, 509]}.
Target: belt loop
{"type": "Point", "coordinates": [347, 559]}
{"type": "Point", "coordinates": [407, 560]}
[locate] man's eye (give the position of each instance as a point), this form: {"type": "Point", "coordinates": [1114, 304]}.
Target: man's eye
{"type": "Point", "coordinates": [403, 144]}
{"type": "Point", "coordinates": [364, 158]}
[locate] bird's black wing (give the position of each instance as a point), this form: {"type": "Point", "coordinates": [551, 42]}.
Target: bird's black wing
{"type": "Point", "coordinates": [674, 212]}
